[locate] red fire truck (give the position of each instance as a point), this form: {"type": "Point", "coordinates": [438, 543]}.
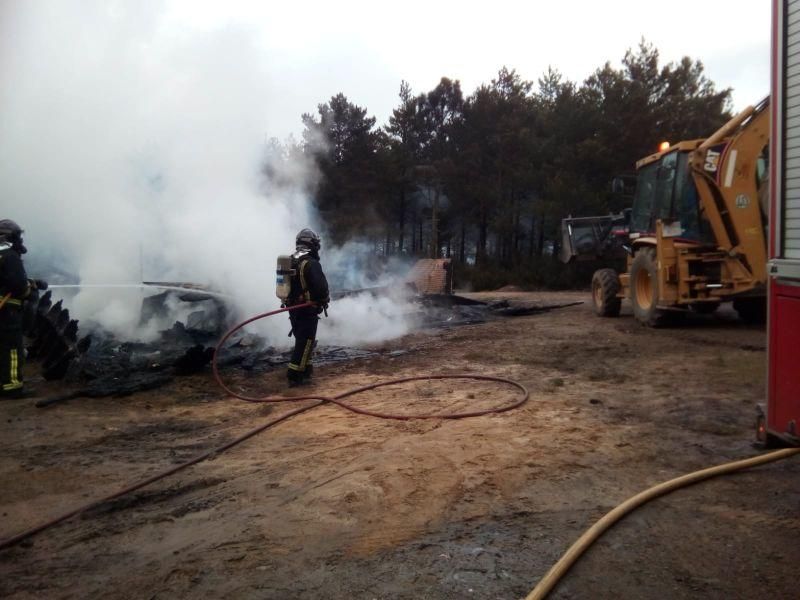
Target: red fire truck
{"type": "Point", "coordinates": [779, 421]}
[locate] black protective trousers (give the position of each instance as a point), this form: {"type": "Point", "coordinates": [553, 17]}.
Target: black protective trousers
{"type": "Point", "coordinates": [304, 329]}
{"type": "Point", "coordinates": [12, 350]}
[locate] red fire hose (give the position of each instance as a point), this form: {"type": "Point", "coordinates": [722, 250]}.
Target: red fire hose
{"type": "Point", "coordinates": [320, 400]}
{"type": "Point", "coordinates": [337, 399]}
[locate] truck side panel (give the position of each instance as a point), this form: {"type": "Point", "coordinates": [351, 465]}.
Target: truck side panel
{"type": "Point", "coordinates": [783, 405]}
{"type": "Point", "coordinates": [783, 409]}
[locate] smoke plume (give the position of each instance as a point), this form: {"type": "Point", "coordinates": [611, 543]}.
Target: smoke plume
{"type": "Point", "coordinates": [132, 148]}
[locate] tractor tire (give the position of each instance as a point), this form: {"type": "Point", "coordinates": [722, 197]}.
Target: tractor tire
{"type": "Point", "coordinates": [752, 311]}
{"type": "Point", "coordinates": [605, 287]}
{"type": "Point", "coordinates": [644, 288]}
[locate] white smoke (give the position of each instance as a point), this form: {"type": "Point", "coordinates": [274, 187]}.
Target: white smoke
{"type": "Point", "coordinates": [364, 317]}
{"type": "Point", "coordinates": [132, 148]}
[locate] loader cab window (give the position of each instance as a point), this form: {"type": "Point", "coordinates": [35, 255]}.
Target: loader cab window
{"type": "Point", "coordinates": [665, 190]}
{"type": "Point", "coordinates": [665, 186]}
{"type": "Point", "coordinates": [687, 204]}
{"type": "Point", "coordinates": [644, 199]}
{"type": "Point", "coordinates": [655, 185]}
{"type": "Point", "coordinates": [762, 183]}
{"type": "Point", "coordinates": [762, 166]}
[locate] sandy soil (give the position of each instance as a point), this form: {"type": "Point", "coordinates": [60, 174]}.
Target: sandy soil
{"type": "Point", "coordinates": [335, 505]}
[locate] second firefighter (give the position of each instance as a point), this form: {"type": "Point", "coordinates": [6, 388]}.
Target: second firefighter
{"type": "Point", "coordinates": [15, 289]}
{"type": "Point", "coordinates": [308, 283]}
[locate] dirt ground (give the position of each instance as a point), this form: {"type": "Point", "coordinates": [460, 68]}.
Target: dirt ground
{"type": "Point", "coordinates": [331, 504]}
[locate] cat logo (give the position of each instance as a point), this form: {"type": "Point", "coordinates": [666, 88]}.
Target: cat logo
{"type": "Point", "coordinates": [712, 161]}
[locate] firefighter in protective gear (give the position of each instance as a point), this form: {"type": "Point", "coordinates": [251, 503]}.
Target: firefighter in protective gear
{"type": "Point", "coordinates": [15, 288]}
{"type": "Point", "coordinates": [307, 284]}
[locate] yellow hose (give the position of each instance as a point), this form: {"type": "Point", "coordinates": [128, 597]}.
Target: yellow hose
{"type": "Point", "coordinates": [558, 570]}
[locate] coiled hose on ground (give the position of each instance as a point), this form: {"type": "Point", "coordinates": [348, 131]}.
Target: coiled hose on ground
{"type": "Point", "coordinates": [319, 400]}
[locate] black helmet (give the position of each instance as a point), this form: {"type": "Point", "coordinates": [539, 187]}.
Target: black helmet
{"type": "Point", "coordinates": [10, 228]}
{"type": "Point", "coordinates": [309, 239]}
{"type": "Point", "coordinates": [12, 233]}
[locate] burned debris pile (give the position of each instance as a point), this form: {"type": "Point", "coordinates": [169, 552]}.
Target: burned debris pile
{"type": "Point", "coordinates": [504, 308]}
{"type": "Point", "coordinates": [99, 364]}
{"type": "Point", "coordinates": [442, 310]}
{"type": "Point", "coordinates": [54, 336]}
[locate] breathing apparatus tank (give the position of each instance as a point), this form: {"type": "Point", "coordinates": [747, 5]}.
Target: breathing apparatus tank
{"type": "Point", "coordinates": [283, 277]}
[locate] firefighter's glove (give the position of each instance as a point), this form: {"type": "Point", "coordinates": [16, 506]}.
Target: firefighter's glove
{"type": "Point", "coordinates": [37, 284]}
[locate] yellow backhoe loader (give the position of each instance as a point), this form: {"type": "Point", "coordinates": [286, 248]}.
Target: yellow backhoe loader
{"type": "Point", "coordinates": [696, 233]}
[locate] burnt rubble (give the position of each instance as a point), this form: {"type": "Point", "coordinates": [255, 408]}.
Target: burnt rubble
{"type": "Point", "coordinates": [100, 365]}
{"type": "Point", "coordinates": [54, 336]}
{"type": "Point", "coordinates": [449, 310]}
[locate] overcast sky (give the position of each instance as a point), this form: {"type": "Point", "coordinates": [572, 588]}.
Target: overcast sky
{"type": "Point", "coordinates": [364, 49]}
{"type": "Point", "coordinates": [305, 52]}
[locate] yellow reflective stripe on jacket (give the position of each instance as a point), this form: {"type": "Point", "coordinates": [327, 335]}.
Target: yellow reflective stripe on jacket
{"type": "Point", "coordinates": [303, 284]}
{"type": "Point", "coordinates": [7, 299]}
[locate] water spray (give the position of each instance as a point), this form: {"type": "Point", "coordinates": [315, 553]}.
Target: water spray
{"type": "Point", "coordinates": [143, 286]}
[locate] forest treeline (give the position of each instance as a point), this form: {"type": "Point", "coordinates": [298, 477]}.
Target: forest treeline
{"type": "Point", "coordinates": [485, 178]}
